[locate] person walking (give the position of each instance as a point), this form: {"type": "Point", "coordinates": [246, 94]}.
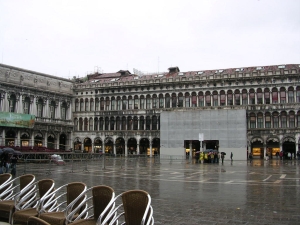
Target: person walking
{"type": "Point", "coordinates": [231, 156]}
{"type": "Point", "coordinates": [250, 157]}
{"type": "Point", "coordinates": [222, 157]}
{"type": "Point", "coordinates": [13, 161]}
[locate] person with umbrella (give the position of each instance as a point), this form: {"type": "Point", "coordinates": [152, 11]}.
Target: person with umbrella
{"type": "Point", "coordinates": [13, 160]}
{"type": "Point", "coordinates": [223, 156]}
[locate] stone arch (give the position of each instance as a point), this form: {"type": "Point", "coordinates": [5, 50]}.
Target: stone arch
{"type": "Point", "coordinates": [98, 145]}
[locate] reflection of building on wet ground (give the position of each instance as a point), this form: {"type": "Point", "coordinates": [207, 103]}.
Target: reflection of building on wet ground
{"type": "Point", "coordinates": [124, 113]}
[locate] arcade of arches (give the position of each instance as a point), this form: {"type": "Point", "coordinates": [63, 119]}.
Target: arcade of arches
{"type": "Point", "coordinates": [119, 146]}
{"type": "Point", "coordinates": [26, 141]}
{"type": "Point", "coordinates": [273, 146]}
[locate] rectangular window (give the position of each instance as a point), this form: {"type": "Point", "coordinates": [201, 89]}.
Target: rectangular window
{"type": "Point", "coordinates": [154, 103]}
{"type": "Point", "coordinates": [52, 112]}
{"type": "Point", "coordinates": [298, 96]}
{"type": "Point", "coordinates": [252, 122]}
{"type": "Point", "coordinates": [275, 122]}
{"type": "Point", "coordinates": [97, 106]}
{"type": "Point", "coordinates": [292, 121]}
{"type": "Point", "coordinates": [119, 104]}
{"type": "Point", "coordinates": [222, 100]}
{"type": "Point", "coordinates": [252, 98]}
{"type": "Point", "coordinates": [174, 102]}
{"type": "Point", "coordinates": [101, 104]}
{"type": "Point", "coordinates": [26, 108]}
{"type": "Point", "coordinates": [245, 98]}
{"type": "Point", "coordinates": [207, 100]}
{"type": "Point", "coordinates": [229, 99]}
{"type": "Point", "coordinates": [86, 106]}
{"type": "Point", "coordinates": [180, 101]}
{"type": "Point", "coordinates": [283, 122]}
{"type": "Point", "coordinates": [260, 123]}
{"type": "Point", "coordinates": [63, 113]}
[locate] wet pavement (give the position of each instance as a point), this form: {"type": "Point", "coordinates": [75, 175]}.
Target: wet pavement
{"type": "Point", "coordinates": [183, 192]}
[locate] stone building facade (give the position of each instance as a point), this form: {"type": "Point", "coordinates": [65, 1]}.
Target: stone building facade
{"type": "Point", "coordinates": [47, 98]}
{"type": "Point", "coordinates": [120, 113]}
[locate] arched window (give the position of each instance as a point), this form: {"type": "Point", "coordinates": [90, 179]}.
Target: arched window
{"type": "Point", "coordinates": [148, 102]}
{"type": "Point", "coordinates": [222, 98]}
{"type": "Point", "coordinates": [80, 124]}
{"type": "Point", "coordinates": [63, 111]}
{"type": "Point", "coordinates": [268, 120]}
{"type": "Point", "coordinates": [275, 116]}
{"type": "Point", "coordinates": [52, 109]}
{"type": "Point", "coordinates": [26, 105]}
{"type": "Point", "coordinates": [207, 99]}
{"type": "Point", "coordinates": [40, 108]}
{"type": "Point", "coordinates": [101, 103]}
{"type": "Point", "coordinates": [283, 117]}
{"type": "Point", "coordinates": [86, 124]}
{"type": "Point", "coordinates": [107, 104]}
{"type": "Point", "coordinates": [142, 102]}
{"type": "Point", "coordinates": [244, 97]}
{"type": "Point", "coordinates": [274, 95]}
{"type": "Point", "coordinates": [106, 125]}
{"type": "Point", "coordinates": [142, 123]}
{"type": "Point", "coordinates": [180, 100]}
{"type": "Point", "coordinates": [96, 124]}
{"type": "Point", "coordinates": [282, 95]}
{"type": "Point", "coordinates": [237, 97]}
{"type": "Point", "coordinates": [123, 123]}
{"type": "Point", "coordinates": [174, 100]}
{"type": "Point", "coordinates": [101, 123]}
{"type": "Point", "coordinates": [291, 95]}
{"type": "Point", "coordinates": [187, 100]}
{"type": "Point", "coordinates": [97, 104]}
{"type": "Point", "coordinates": [129, 123]}
{"type": "Point", "coordinates": [267, 96]}
{"type": "Point", "coordinates": [91, 124]}
{"type": "Point", "coordinates": [292, 119]}
{"type": "Point", "coordinates": [136, 102]}
{"type": "Point", "coordinates": [154, 123]}
{"type": "Point", "coordinates": [148, 123]}
{"type": "Point", "coordinates": [81, 105]}
{"type": "Point", "coordinates": [229, 98]}
{"type": "Point", "coordinates": [77, 105]}
{"type": "Point", "coordinates": [259, 96]}
{"type": "Point", "coordinates": [260, 120]}
{"type": "Point", "coordinates": [130, 102]}
{"type": "Point", "coordinates": [119, 103]}
{"type": "Point", "coordinates": [112, 123]}
{"type": "Point", "coordinates": [194, 99]}
{"type": "Point", "coordinates": [124, 103]}
{"type": "Point", "coordinates": [76, 124]}
{"type": "Point", "coordinates": [298, 94]}
{"type": "Point", "coordinates": [154, 102]}
{"type": "Point", "coordinates": [161, 101]}
{"type": "Point", "coordinates": [113, 103]}
{"type": "Point", "coordinates": [12, 103]}
{"type": "Point", "coordinates": [252, 120]}
{"type": "Point", "coordinates": [251, 97]}
{"type": "Point", "coordinates": [87, 107]}
{"type": "Point", "coordinates": [215, 98]}
{"type": "Point", "coordinates": [135, 123]}
{"type": "Point", "coordinates": [168, 101]}
{"type": "Point", "coordinates": [200, 99]}
{"type": "Point", "coordinates": [118, 123]}
{"type": "Point", "coordinates": [92, 105]}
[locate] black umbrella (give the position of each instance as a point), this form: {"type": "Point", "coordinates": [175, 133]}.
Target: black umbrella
{"type": "Point", "coordinates": [224, 153]}
{"type": "Point", "coordinates": [8, 150]}
{"type": "Point", "coordinates": [17, 153]}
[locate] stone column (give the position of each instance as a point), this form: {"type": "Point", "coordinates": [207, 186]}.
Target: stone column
{"type": "Point", "coordinates": [114, 149]}
{"type": "Point", "coordinates": [19, 104]}
{"type": "Point", "coordinates": [137, 148]}
{"type": "Point", "coordinates": [33, 109]}
{"type": "Point", "coordinates": [191, 149]}
{"type": "Point", "coordinates": [126, 148]}
{"type": "Point", "coordinates": [46, 139]}
{"type": "Point", "coordinates": [150, 148]}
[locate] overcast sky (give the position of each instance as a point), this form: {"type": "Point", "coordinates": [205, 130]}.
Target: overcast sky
{"type": "Point", "coordinates": [73, 38]}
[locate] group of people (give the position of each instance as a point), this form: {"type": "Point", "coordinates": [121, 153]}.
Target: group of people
{"type": "Point", "coordinates": [8, 163]}
{"type": "Point", "coordinates": [211, 157]}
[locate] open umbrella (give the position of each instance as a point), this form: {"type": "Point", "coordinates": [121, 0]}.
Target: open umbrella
{"type": "Point", "coordinates": [17, 153]}
{"type": "Point", "coordinates": [224, 153]}
{"type": "Point", "coordinates": [8, 150]}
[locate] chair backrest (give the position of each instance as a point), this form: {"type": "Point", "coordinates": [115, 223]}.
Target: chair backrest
{"type": "Point", "coordinates": [102, 195]}
{"type": "Point", "coordinates": [135, 203]}
{"type": "Point", "coordinates": [73, 191]}
{"type": "Point", "coordinates": [25, 180]}
{"type": "Point", "coordinates": [4, 178]}
{"type": "Point", "coordinates": [36, 221]}
{"type": "Point", "coordinates": [44, 186]}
